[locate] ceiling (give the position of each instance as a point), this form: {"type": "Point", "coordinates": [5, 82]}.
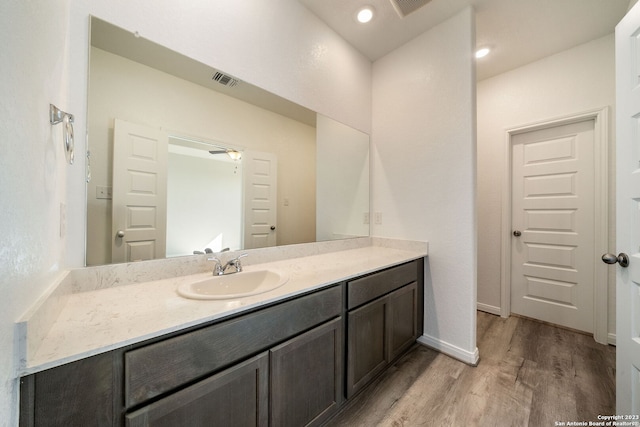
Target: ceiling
{"type": "Point", "coordinates": [518, 31]}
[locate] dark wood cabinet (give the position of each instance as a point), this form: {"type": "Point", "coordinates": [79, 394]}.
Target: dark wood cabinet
{"type": "Point", "coordinates": [159, 368]}
{"type": "Point", "coordinates": [384, 327]}
{"type": "Point", "coordinates": [367, 345]}
{"type": "Point", "coordinates": [82, 393]}
{"type": "Point", "coordinates": [238, 396]}
{"type": "Point", "coordinates": [306, 377]}
{"type": "Point", "coordinates": [402, 319]}
{"type": "Point", "coordinates": [281, 365]}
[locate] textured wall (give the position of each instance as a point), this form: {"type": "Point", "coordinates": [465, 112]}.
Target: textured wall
{"type": "Point", "coordinates": [424, 169]}
{"type": "Point", "coordinates": [34, 67]}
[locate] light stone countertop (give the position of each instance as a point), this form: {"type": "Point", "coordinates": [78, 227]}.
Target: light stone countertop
{"type": "Point", "coordinates": [96, 321]}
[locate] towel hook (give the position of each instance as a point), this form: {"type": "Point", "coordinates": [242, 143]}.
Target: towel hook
{"type": "Point", "coordinates": [56, 116]}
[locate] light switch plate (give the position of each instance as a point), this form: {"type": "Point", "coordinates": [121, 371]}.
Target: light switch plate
{"type": "Point", "coordinates": [103, 192]}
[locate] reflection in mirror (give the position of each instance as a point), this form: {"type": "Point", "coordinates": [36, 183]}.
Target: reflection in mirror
{"type": "Point", "coordinates": [204, 203]}
{"type": "Point", "coordinates": [207, 205]}
{"type": "Point", "coordinates": [342, 176]}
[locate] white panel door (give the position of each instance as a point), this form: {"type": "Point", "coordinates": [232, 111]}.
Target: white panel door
{"type": "Point", "coordinates": [260, 171]}
{"type": "Point", "coordinates": [139, 192]}
{"type": "Point", "coordinates": [628, 213]}
{"type": "Point", "coordinates": [553, 251]}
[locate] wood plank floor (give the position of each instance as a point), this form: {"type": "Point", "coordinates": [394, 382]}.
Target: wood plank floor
{"type": "Point", "coordinates": [530, 374]}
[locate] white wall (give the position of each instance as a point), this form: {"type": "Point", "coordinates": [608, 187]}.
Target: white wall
{"type": "Point", "coordinates": [424, 170]}
{"type": "Point", "coordinates": [278, 45]}
{"type": "Point", "coordinates": [571, 82]}
{"type": "Point", "coordinates": [34, 68]}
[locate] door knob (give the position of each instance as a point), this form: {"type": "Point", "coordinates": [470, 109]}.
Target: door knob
{"type": "Point", "coordinates": [273, 227]}
{"type": "Point", "coordinates": [622, 259]}
{"type": "Point", "coordinates": [120, 234]}
{"type": "Point", "coordinates": [517, 233]}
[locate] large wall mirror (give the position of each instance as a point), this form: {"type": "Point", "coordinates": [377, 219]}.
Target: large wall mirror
{"type": "Point", "coordinates": [186, 159]}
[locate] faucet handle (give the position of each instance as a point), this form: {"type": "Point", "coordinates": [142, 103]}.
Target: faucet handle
{"type": "Point", "coordinates": [238, 264]}
{"type": "Point", "coordinates": [217, 268]}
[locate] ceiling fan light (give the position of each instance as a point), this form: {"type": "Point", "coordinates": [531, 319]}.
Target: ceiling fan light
{"type": "Point", "coordinates": [235, 155]}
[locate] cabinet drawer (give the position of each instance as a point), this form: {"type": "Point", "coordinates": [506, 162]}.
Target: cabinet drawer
{"type": "Point", "coordinates": [158, 368]}
{"type": "Point", "coordinates": [367, 288]}
{"type": "Point", "coordinates": [236, 396]}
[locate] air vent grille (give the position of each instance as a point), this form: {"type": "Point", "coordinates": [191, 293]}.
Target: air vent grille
{"type": "Point", "coordinates": [225, 79]}
{"type": "Point", "coordinates": [405, 7]}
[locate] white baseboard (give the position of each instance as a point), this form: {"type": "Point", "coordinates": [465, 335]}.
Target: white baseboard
{"type": "Point", "coordinates": [470, 358]}
{"type": "Point", "coordinates": [489, 308]}
{"type": "Point", "coordinates": [611, 338]}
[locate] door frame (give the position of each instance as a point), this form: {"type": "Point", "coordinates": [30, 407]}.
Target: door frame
{"type": "Point", "coordinates": [601, 217]}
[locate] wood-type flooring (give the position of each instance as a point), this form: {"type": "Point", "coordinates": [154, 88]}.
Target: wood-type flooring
{"type": "Point", "coordinates": [529, 374]}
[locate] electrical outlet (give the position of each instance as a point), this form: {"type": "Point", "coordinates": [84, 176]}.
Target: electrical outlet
{"type": "Point", "coordinates": [365, 218]}
{"type": "Point", "coordinates": [377, 217]}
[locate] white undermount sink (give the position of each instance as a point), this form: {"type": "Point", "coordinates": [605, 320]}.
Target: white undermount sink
{"type": "Point", "coordinates": [234, 285]}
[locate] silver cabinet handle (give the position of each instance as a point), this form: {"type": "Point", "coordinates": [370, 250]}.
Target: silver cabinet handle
{"type": "Point", "coordinates": [622, 259]}
{"type": "Point", "coordinates": [517, 233]}
{"type": "Point", "coordinates": [120, 234]}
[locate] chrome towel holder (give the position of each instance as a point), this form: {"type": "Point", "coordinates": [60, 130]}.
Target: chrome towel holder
{"type": "Point", "coordinates": [56, 116]}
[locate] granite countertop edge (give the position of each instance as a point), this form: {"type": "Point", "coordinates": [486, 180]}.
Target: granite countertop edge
{"type": "Point", "coordinates": [102, 320]}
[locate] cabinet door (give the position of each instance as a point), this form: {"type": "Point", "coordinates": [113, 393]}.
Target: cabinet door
{"type": "Point", "coordinates": [237, 396]}
{"type": "Point", "coordinates": [367, 352]}
{"type": "Point", "coordinates": [306, 377]}
{"type": "Point", "coordinates": [378, 333]}
{"type": "Point", "coordinates": [402, 319]}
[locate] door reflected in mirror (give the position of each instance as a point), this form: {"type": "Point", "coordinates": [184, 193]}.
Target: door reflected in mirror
{"type": "Point", "coordinates": [322, 171]}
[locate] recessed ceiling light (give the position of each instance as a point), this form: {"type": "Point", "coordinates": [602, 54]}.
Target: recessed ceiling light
{"type": "Point", "coordinates": [481, 53]}
{"type": "Point", "coordinates": [365, 14]}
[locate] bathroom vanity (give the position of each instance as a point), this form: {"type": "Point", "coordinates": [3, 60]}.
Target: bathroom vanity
{"type": "Point", "coordinates": [292, 359]}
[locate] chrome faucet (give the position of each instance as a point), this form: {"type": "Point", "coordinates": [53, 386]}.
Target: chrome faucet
{"type": "Point", "coordinates": [234, 263]}
{"type": "Point", "coordinates": [219, 269]}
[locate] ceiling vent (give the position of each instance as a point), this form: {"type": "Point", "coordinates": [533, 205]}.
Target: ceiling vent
{"type": "Point", "coordinates": [405, 7]}
{"type": "Point", "coordinates": [225, 79]}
